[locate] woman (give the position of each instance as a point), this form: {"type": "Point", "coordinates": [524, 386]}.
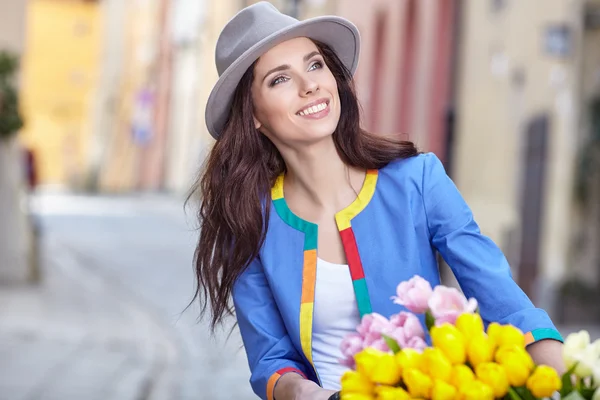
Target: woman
{"type": "Point", "coordinates": [309, 222]}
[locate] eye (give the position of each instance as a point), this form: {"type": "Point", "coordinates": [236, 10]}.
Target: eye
{"type": "Point", "coordinates": [316, 65]}
{"type": "Point", "coordinates": [278, 80]}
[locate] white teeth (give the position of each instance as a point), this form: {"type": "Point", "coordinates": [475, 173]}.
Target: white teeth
{"type": "Point", "coordinates": [313, 109]}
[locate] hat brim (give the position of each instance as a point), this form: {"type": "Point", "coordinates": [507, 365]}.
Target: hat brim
{"type": "Point", "coordinates": [337, 32]}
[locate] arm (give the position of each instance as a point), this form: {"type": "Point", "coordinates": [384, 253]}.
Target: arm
{"type": "Point", "coordinates": [271, 354]}
{"type": "Point", "coordinates": [548, 352]}
{"type": "Point", "coordinates": [480, 267]}
{"type": "Point", "coordinates": [293, 386]}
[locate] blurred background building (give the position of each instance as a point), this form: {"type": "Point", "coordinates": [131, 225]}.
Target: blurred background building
{"type": "Point", "coordinates": [505, 92]}
{"type": "Point", "coordinates": [16, 248]}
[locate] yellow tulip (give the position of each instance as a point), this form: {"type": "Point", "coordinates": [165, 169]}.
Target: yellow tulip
{"type": "Point", "coordinates": [417, 383]}
{"type": "Point", "coordinates": [516, 362]}
{"type": "Point", "coordinates": [470, 324]}
{"type": "Point", "coordinates": [450, 340]}
{"type": "Point", "coordinates": [512, 350]}
{"type": "Point", "coordinates": [367, 360]}
{"type": "Point", "coordinates": [442, 391]}
{"type": "Point", "coordinates": [391, 393]}
{"type": "Point", "coordinates": [475, 390]}
{"type": "Point", "coordinates": [493, 375]}
{"type": "Point", "coordinates": [512, 336]}
{"type": "Point", "coordinates": [461, 374]}
{"type": "Point", "coordinates": [387, 371]}
{"type": "Point", "coordinates": [544, 381]}
{"type": "Point", "coordinates": [480, 349]}
{"type": "Point", "coordinates": [436, 365]}
{"type": "Point", "coordinates": [516, 372]}
{"type": "Point", "coordinates": [356, 396]}
{"type": "Point", "coordinates": [505, 335]}
{"type": "Point", "coordinates": [410, 358]}
{"type": "Point", "coordinates": [356, 383]}
{"type": "Point", "coordinates": [494, 332]}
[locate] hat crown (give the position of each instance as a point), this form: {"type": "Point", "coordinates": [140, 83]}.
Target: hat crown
{"type": "Point", "coordinates": [245, 29]}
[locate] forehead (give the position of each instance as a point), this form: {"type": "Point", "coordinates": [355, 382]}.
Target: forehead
{"type": "Point", "coordinates": [287, 52]}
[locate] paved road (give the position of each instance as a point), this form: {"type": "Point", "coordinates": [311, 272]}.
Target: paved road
{"type": "Point", "coordinates": [108, 322]}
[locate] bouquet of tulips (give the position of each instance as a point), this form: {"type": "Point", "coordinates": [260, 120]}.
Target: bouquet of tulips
{"type": "Point", "coordinates": [390, 358]}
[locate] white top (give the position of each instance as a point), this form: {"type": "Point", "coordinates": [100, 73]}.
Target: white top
{"type": "Point", "coordinates": [335, 315]}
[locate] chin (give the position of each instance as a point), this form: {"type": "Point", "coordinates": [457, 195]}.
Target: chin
{"type": "Point", "coordinates": [320, 130]}
{"type": "Point", "coordinates": [317, 135]}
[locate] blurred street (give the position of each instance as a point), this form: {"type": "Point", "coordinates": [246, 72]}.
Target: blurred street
{"type": "Point", "coordinates": [107, 322]}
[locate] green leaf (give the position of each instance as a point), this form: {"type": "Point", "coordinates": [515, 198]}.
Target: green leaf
{"type": "Point", "coordinates": [567, 383]}
{"type": "Point", "coordinates": [429, 320]}
{"type": "Point", "coordinates": [10, 119]}
{"type": "Point", "coordinates": [524, 393]}
{"type": "Point", "coordinates": [392, 344]}
{"type": "Point", "coordinates": [513, 394]}
{"type": "Point", "coordinates": [573, 396]}
{"type": "Point", "coordinates": [587, 392]}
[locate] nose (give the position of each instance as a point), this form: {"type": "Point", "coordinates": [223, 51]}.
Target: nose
{"type": "Point", "coordinates": [309, 86]}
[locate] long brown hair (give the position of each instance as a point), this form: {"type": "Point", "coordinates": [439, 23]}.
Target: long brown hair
{"type": "Point", "coordinates": [235, 185]}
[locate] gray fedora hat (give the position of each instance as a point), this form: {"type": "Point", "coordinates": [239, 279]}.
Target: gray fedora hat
{"type": "Point", "coordinates": [256, 29]}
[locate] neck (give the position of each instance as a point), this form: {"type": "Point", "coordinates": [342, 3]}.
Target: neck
{"type": "Point", "coordinates": [318, 174]}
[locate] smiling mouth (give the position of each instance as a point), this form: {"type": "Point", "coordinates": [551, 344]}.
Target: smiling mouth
{"type": "Point", "coordinates": [313, 109]}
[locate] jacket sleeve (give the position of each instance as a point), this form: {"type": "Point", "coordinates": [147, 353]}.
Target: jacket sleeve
{"type": "Point", "coordinates": [479, 265]}
{"type": "Point", "coordinates": [269, 349]}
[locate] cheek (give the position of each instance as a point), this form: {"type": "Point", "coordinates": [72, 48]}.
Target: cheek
{"type": "Point", "coordinates": [277, 108]}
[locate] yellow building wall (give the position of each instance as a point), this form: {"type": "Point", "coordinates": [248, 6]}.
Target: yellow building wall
{"type": "Point", "coordinates": [60, 72]}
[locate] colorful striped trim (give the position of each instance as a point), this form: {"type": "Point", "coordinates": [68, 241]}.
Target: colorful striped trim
{"type": "Point", "coordinates": [541, 334]}
{"type": "Point", "coordinates": [275, 377]}
{"type": "Point", "coordinates": [309, 272]}
{"type": "Point", "coordinates": [343, 220]}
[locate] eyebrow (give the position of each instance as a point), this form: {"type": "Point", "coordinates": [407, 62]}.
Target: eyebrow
{"type": "Point", "coordinates": [287, 66]}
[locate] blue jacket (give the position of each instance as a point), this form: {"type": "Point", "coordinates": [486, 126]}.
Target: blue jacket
{"type": "Point", "coordinates": [404, 213]}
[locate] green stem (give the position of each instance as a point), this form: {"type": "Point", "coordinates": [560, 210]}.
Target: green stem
{"type": "Point", "coordinates": [513, 394]}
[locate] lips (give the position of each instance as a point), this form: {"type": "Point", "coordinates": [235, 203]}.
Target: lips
{"type": "Point", "coordinates": [316, 107]}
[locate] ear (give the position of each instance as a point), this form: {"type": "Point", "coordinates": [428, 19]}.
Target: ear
{"type": "Point", "coordinates": [257, 123]}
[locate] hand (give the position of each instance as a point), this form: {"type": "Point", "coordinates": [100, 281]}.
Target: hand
{"type": "Point", "coordinates": [292, 386]}
{"type": "Point", "coordinates": [315, 393]}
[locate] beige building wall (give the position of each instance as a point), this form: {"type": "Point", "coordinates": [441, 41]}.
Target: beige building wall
{"type": "Point", "coordinates": [15, 240]}
{"type": "Point", "coordinates": [106, 96]}
{"type": "Point", "coordinates": [12, 18]}
{"type": "Point", "coordinates": [182, 158]}
{"type": "Point", "coordinates": [217, 15]}
{"type": "Point", "coordinates": [403, 79]}
{"type": "Point", "coordinates": [506, 78]}
{"type": "Point", "coordinates": [136, 99]}
{"type": "Point", "coordinates": [585, 250]}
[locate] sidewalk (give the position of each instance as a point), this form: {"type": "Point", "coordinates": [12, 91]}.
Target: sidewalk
{"type": "Point", "coordinates": [77, 337]}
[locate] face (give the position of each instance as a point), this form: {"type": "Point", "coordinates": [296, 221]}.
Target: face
{"type": "Point", "coordinates": [295, 95]}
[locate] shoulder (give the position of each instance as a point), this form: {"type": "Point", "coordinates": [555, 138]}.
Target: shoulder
{"type": "Point", "coordinates": [417, 169]}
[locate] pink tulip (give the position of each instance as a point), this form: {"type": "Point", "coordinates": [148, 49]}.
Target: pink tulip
{"type": "Point", "coordinates": [351, 344]}
{"type": "Point", "coordinates": [405, 327]}
{"type": "Point", "coordinates": [414, 294]}
{"type": "Point", "coordinates": [380, 345]}
{"type": "Point", "coordinates": [371, 327]}
{"type": "Point", "coordinates": [446, 304]}
{"type": "Point", "coordinates": [410, 324]}
{"type": "Point", "coordinates": [416, 343]}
